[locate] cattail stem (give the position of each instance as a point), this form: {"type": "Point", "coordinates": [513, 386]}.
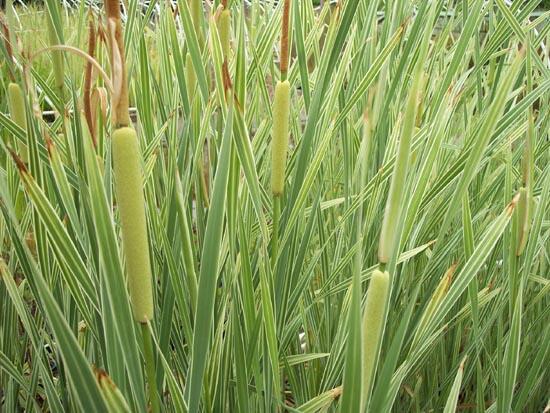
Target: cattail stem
{"type": "Point", "coordinates": [150, 368]}
{"type": "Point", "coordinates": [373, 327]}
{"type": "Point", "coordinates": [275, 230]}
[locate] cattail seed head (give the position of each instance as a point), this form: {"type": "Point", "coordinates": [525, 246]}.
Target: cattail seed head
{"type": "Point", "coordinates": [373, 323]}
{"type": "Point", "coordinates": [131, 207]}
{"type": "Point", "coordinates": [279, 148]}
{"type": "Point", "coordinates": [224, 29]}
{"type": "Point", "coordinates": [16, 106]}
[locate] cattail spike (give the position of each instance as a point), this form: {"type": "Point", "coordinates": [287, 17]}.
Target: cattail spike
{"type": "Point", "coordinates": [224, 30]}
{"type": "Point", "coordinates": [373, 326]}
{"type": "Point", "coordinates": [17, 109]}
{"type": "Point", "coordinates": [279, 148]}
{"type": "Point", "coordinates": [131, 207]}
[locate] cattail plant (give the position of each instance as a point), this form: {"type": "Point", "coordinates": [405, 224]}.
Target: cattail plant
{"type": "Point", "coordinates": [129, 195]}
{"type": "Point", "coordinates": [279, 133]}
{"type": "Point", "coordinates": [281, 110]}
{"type": "Point", "coordinates": [374, 315]}
{"type": "Point", "coordinates": [128, 180]}
{"type": "Point", "coordinates": [251, 277]}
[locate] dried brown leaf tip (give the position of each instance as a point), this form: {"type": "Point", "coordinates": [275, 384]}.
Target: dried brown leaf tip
{"type": "Point", "coordinates": [100, 375]}
{"type": "Point", "coordinates": [462, 363]}
{"type": "Point", "coordinates": [49, 144]}
{"type": "Point", "coordinates": [450, 273]}
{"type": "Point", "coordinates": [19, 162]}
{"type": "Point", "coordinates": [512, 205]}
{"type": "Point", "coordinates": [103, 378]}
{"type": "Point", "coordinates": [336, 392]}
{"type": "Point", "coordinates": [227, 84]}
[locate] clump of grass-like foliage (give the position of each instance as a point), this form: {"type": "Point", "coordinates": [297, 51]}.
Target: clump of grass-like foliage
{"type": "Point", "coordinates": [273, 206]}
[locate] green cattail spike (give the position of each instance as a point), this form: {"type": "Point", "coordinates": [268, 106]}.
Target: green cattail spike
{"type": "Point", "coordinates": [279, 148]}
{"type": "Point", "coordinates": [131, 207]}
{"type": "Point", "coordinates": [16, 106]}
{"type": "Point", "coordinates": [224, 30]}
{"type": "Point", "coordinates": [373, 326]}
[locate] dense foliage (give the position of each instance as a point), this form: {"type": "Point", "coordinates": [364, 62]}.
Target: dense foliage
{"type": "Point", "coordinates": [377, 239]}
